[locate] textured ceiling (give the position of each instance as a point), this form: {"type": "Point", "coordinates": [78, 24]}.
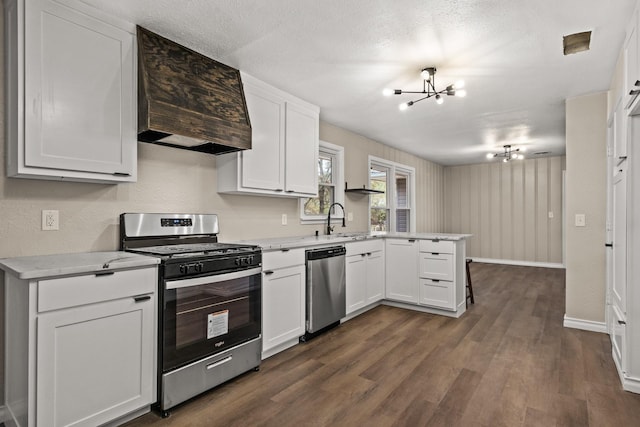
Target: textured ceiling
{"type": "Point", "coordinates": [340, 54]}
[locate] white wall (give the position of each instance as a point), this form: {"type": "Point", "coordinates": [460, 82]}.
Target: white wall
{"type": "Point", "coordinates": [586, 133]}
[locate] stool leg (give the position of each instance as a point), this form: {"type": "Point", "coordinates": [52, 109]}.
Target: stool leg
{"type": "Point", "coordinates": [469, 284]}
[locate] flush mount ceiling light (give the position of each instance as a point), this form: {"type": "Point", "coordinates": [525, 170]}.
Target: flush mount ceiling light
{"type": "Point", "coordinates": [429, 89]}
{"type": "Point", "coordinates": [509, 154]}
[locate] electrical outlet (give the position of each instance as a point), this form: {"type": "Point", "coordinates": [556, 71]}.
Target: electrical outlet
{"type": "Point", "coordinates": [550, 214]}
{"type": "Point", "coordinates": [350, 216]}
{"type": "Point", "coordinates": [581, 220]}
{"type": "Point", "coordinates": [284, 219]}
{"type": "Point", "coordinates": [50, 220]}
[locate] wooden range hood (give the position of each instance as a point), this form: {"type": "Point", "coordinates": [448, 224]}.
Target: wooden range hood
{"type": "Point", "coordinates": [187, 100]}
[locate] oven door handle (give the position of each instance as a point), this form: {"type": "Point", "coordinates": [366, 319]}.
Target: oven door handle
{"type": "Point", "coordinates": [216, 278]}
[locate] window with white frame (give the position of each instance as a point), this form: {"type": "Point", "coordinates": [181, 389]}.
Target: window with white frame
{"type": "Point", "coordinates": [330, 185]}
{"type": "Point", "coordinates": [393, 210]}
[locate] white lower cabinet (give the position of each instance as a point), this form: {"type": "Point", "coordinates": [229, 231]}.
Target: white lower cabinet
{"type": "Point", "coordinates": [82, 349]}
{"type": "Point", "coordinates": [364, 274]}
{"type": "Point", "coordinates": [283, 300]}
{"type": "Point", "coordinates": [402, 270]}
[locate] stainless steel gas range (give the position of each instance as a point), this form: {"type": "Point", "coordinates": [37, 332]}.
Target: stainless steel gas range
{"type": "Point", "coordinates": [209, 327]}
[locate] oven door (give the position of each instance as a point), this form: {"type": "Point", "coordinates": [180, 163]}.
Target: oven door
{"type": "Point", "coordinates": [205, 315]}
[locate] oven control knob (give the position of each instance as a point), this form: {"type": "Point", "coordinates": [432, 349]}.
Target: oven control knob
{"type": "Point", "coordinates": [250, 259]}
{"type": "Point", "coordinates": [237, 261]}
{"type": "Point", "coordinates": [184, 269]}
{"type": "Point", "coordinates": [198, 267]}
{"type": "Point", "coordinates": [246, 261]}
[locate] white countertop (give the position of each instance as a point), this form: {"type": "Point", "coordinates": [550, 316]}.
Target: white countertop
{"type": "Point", "coordinates": [341, 238]}
{"type": "Point", "coordinates": [38, 267]}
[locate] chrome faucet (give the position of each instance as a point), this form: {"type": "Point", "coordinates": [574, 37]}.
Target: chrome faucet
{"type": "Point", "coordinates": [329, 227]}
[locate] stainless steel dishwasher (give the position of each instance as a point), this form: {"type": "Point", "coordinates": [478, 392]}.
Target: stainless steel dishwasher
{"type": "Point", "coordinates": [326, 303]}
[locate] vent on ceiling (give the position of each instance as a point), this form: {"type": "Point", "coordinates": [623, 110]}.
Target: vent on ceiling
{"type": "Point", "coordinates": [541, 153]}
{"type": "Point", "coordinates": [578, 42]}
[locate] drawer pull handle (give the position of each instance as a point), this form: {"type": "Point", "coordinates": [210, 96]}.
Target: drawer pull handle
{"type": "Point", "coordinates": [435, 253]}
{"type": "Point", "coordinates": [142, 298]}
{"type": "Point", "coordinates": [609, 245]}
{"type": "Point", "coordinates": [621, 322]}
{"type": "Point", "coordinates": [121, 174]}
{"type": "Point", "coordinates": [219, 362]}
{"type": "Point", "coordinates": [268, 272]}
{"type": "Point", "coordinates": [284, 250]}
{"type": "Point", "coordinates": [368, 253]}
{"type": "Point", "coordinates": [435, 280]}
{"type": "Point", "coordinates": [634, 92]}
{"type": "Point", "coordinates": [435, 240]}
{"type": "Point", "coordinates": [104, 273]}
{"type": "Point", "coordinates": [412, 240]}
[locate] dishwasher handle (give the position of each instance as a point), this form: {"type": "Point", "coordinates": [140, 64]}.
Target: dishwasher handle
{"type": "Point", "coordinates": [322, 253]}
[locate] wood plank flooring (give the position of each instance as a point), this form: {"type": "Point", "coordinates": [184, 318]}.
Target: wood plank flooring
{"type": "Point", "coordinates": [507, 361]}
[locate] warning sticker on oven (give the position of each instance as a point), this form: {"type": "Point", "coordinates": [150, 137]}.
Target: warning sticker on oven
{"type": "Point", "coordinates": [217, 324]}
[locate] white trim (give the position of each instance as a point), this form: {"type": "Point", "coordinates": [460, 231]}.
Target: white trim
{"type": "Point", "coordinates": [630, 384]}
{"type": "Point", "coordinates": [585, 325]}
{"type": "Point", "coordinates": [391, 197]}
{"type": "Point", "coordinates": [517, 262]}
{"type": "Point", "coordinates": [338, 196]}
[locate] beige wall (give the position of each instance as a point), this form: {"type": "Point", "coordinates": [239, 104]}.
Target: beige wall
{"type": "Point", "coordinates": [506, 207]}
{"type": "Point", "coordinates": [586, 133]}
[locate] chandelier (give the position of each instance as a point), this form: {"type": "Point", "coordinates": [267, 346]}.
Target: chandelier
{"type": "Point", "coordinates": [429, 89]}
{"type": "Point", "coordinates": [509, 154]}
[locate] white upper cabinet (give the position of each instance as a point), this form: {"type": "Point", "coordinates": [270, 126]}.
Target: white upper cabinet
{"type": "Point", "coordinates": [284, 147]}
{"type": "Point", "coordinates": [71, 103]}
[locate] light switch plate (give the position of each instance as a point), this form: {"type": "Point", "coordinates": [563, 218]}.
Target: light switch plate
{"type": "Point", "coordinates": [284, 219]}
{"type": "Point", "coordinates": [581, 220]}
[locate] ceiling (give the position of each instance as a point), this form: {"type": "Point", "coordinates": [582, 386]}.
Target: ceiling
{"type": "Point", "coordinates": [340, 55]}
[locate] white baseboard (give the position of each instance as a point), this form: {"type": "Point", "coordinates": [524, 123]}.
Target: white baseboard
{"type": "Point", "coordinates": [586, 325]}
{"type": "Point", "coordinates": [517, 262]}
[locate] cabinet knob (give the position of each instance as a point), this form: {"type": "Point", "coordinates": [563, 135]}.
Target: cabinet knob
{"type": "Point", "coordinates": [621, 322]}
{"type": "Point", "coordinates": [268, 272]}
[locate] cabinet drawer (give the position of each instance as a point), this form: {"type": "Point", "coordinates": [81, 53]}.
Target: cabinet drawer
{"type": "Point", "coordinates": [436, 266]}
{"type": "Point", "coordinates": [437, 246]}
{"type": "Point", "coordinates": [363, 247]}
{"type": "Point", "coordinates": [280, 258]}
{"type": "Point", "coordinates": [73, 291]}
{"type": "Point", "coordinates": [618, 338]}
{"type": "Point", "coordinates": [437, 293]}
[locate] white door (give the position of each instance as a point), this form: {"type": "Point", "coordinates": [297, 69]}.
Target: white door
{"type": "Point", "coordinates": [79, 92]}
{"type": "Point", "coordinates": [283, 306]}
{"type": "Point", "coordinates": [619, 288]}
{"type": "Point", "coordinates": [263, 165]}
{"type": "Point", "coordinates": [375, 277]}
{"type": "Point", "coordinates": [302, 150]}
{"type": "Point", "coordinates": [402, 270]}
{"type": "Point", "coordinates": [95, 363]}
{"type": "Point", "coordinates": [356, 278]}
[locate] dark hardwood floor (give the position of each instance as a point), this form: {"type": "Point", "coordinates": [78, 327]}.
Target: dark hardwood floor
{"type": "Point", "coordinates": [507, 361]}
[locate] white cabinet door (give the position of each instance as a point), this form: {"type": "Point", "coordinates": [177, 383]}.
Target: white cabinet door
{"type": "Point", "coordinates": [283, 306]}
{"type": "Point", "coordinates": [437, 293]}
{"type": "Point", "coordinates": [263, 165]}
{"type": "Point", "coordinates": [301, 150]}
{"type": "Point", "coordinates": [619, 288]}
{"type": "Point", "coordinates": [95, 363]}
{"type": "Point", "coordinates": [79, 88]}
{"type": "Point", "coordinates": [375, 277]}
{"type": "Point", "coordinates": [402, 270]}
{"type": "Point", "coordinates": [356, 282]}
